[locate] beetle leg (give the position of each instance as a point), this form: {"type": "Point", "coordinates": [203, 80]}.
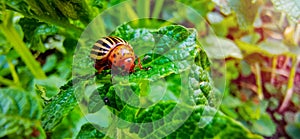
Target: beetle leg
{"type": "Point", "coordinates": [140, 65]}
{"type": "Point", "coordinates": [100, 69]}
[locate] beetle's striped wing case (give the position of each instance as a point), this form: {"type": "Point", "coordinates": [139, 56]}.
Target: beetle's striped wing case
{"type": "Point", "coordinates": [104, 46]}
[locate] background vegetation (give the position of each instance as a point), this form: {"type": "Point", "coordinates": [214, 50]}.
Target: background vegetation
{"type": "Point", "coordinates": [260, 41]}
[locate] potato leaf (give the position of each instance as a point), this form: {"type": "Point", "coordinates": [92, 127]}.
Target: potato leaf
{"type": "Point", "coordinates": [20, 114]}
{"type": "Point", "coordinates": [221, 126]}
{"type": "Point", "coordinates": [61, 104]}
{"type": "Point", "coordinates": [158, 101]}
{"type": "Point", "coordinates": [189, 103]}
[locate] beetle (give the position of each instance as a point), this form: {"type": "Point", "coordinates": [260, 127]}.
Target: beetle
{"type": "Point", "coordinates": [114, 53]}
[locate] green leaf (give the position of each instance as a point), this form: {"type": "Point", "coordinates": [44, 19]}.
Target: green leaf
{"type": "Point", "coordinates": [74, 9]}
{"type": "Point", "coordinates": [231, 102]}
{"type": "Point", "coordinates": [19, 5]}
{"type": "Point", "coordinates": [251, 38]}
{"type": "Point", "coordinates": [245, 68]}
{"type": "Point", "coordinates": [246, 11]}
{"type": "Point", "coordinates": [268, 48]}
{"type": "Point", "coordinates": [59, 13]}
{"type": "Point", "coordinates": [250, 111]}
{"type": "Point", "coordinates": [293, 131]}
{"type": "Point", "coordinates": [20, 114]}
{"type": "Point", "coordinates": [62, 104]}
{"type": "Point", "coordinates": [291, 7]}
{"type": "Point", "coordinates": [63, 67]}
{"type": "Point", "coordinates": [220, 48]}
{"type": "Point", "coordinates": [174, 60]}
{"type": "Point", "coordinates": [221, 126]}
{"type": "Point", "coordinates": [51, 84]}
{"type": "Point", "coordinates": [17, 42]}
{"type": "Point", "coordinates": [40, 34]}
{"type": "Point", "coordinates": [264, 126]}
{"type": "Point", "coordinates": [231, 71]}
{"type": "Point", "coordinates": [59, 107]}
{"type": "Point", "coordinates": [270, 88]}
{"type": "Point", "coordinates": [50, 64]}
{"type": "Point", "coordinates": [297, 117]}
{"type": "Point", "coordinates": [274, 47]}
{"type": "Point", "coordinates": [69, 125]}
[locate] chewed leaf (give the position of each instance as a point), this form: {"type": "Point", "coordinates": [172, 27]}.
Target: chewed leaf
{"type": "Point", "coordinates": [160, 101]}
{"type": "Point", "coordinates": [20, 113]}
{"type": "Point", "coordinates": [62, 103]}
{"type": "Point", "coordinates": [173, 57]}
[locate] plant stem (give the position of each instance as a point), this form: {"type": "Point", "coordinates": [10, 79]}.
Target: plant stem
{"type": "Point", "coordinates": [157, 8]}
{"type": "Point", "coordinates": [273, 71]}
{"type": "Point", "coordinates": [14, 73]}
{"type": "Point", "coordinates": [290, 85]}
{"type": "Point", "coordinates": [258, 81]}
{"type": "Point", "coordinates": [297, 34]}
{"type": "Point", "coordinates": [6, 81]}
{"type": "Point", "coordinates": [131, 14]}
{"type": "Point", "coordinates": [14, 38]}
{"type": "Point", "coordinates": [281, 20]}
{"type": "Point", "coordinates": [143, 8]}
{"type": "Point", "coordinates": [99, 23]}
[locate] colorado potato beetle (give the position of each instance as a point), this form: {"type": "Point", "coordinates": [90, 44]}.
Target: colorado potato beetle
{"type": "Point", "coordinates": [113, 53]}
